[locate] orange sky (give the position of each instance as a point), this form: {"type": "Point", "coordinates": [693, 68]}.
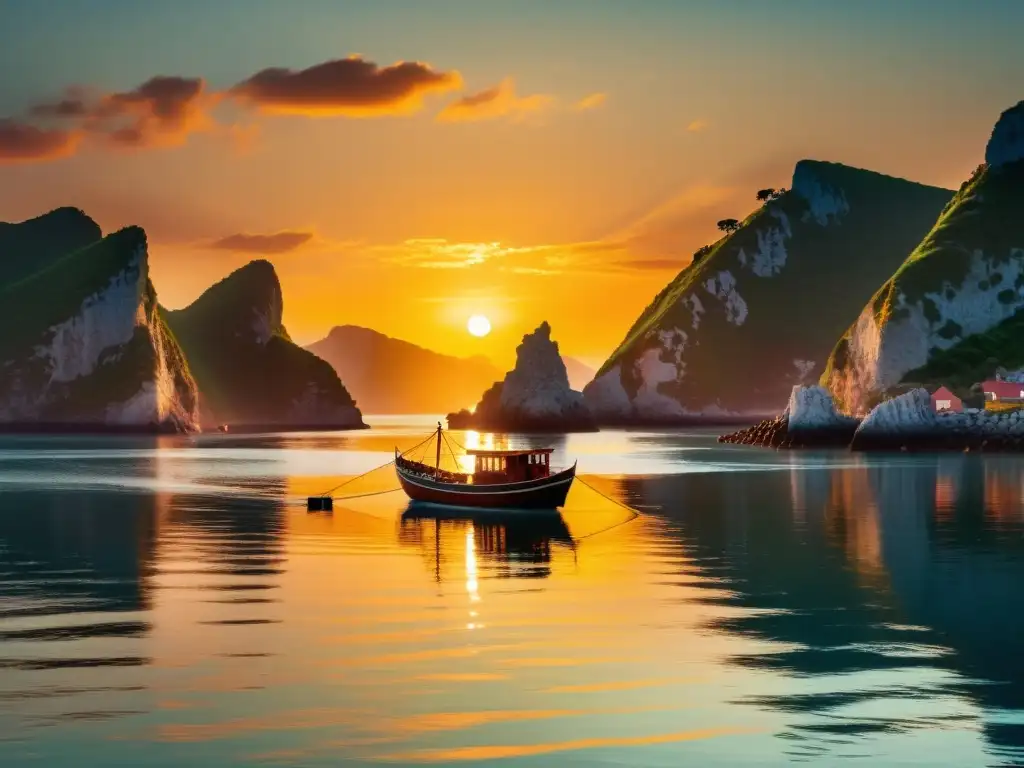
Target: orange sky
{"type": "Point", "coordinates": [542, 164]}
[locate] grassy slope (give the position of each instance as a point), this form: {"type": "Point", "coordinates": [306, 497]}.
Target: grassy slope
{"type": "Point", "coordinates": [830, 273]}
{"type": "Point", "coordinates": [241, 381]}
{"type": "Point", "coordinates": [985, 214]}
{"type": "Point", "coordinates": [30, 246]}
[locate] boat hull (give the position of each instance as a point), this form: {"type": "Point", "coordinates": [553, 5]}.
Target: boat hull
{"type": "Point", "coordinates": [544, 493]}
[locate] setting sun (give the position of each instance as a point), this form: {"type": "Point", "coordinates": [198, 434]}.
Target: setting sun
{"type": "Point", "coordinates": [478, 325]}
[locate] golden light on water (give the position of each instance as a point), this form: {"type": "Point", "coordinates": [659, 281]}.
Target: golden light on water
{"type": "Point", "coordinates": [472, 585]}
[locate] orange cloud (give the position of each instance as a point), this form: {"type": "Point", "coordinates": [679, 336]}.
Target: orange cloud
{"type": "Point", "coordinates": [593, 101]}
{"type": "Point", "coordinates": [162, 111]}
{"type": "Point", "coordinates": [696, 126]}
{"type": "Point", "coordinates": [350, 87]}
{"type": "Point", "coordinates": [279, 242]}
{"type": "Point", "coordinates": [24, 142]}
{"type": "Point", "coordinates": [497, 101]}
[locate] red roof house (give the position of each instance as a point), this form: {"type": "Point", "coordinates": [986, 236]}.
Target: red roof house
{"type": "Point", "coordinates": [944, 400]}
{"type": "Point", "coordinates": [1011, 391]}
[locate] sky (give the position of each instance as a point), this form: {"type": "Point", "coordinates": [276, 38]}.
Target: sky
{"type": "Point", "coordinates": [405, 165]}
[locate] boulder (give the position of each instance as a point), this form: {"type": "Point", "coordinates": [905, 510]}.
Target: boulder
{"type": "Point", "coordinates": [812, 409]}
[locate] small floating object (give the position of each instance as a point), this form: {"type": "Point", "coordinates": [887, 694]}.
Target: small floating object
{"type": "Point", "coordinates": [222, 428]}
{"type": "Point", "coordinates": [319, 504]}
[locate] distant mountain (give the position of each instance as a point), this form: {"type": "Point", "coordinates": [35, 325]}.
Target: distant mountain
{"type": "Point", "coordinates": [388, 375]}
{"type": "Point", "coordinates": [579, 374]}
{"type": "Point", "coordinates": [953, 312]}
{"type": "Point", "coordinates": [84, 345]}
{"type": "Point", "coordinates": [759, 311]}
{"type": "Point", "coordinates": [248, 370]}
{"type": "Point", "coordinates": [31, 246]}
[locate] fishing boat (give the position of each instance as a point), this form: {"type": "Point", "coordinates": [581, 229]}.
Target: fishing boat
{"type": "Point", "coordinates": [509, 479]}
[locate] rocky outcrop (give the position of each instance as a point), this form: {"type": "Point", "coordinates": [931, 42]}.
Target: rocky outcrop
{"type": "Point", "coordinates": [811, 409]}
{"type": "Point", "coordinates": [534, 396]}
{"type": "Point", "coordinates": [809, 421]}
{"type": "Point", "coordinates": [250, 374]}
{"type": "Point", "coordinates": [86, 347]}
{"type": "Point", "coordinates": [941, 319]}
{"type": "Point", "coordinates": [730, 337]}
{"type": "Point", "coordinates": [907, 422]}
{"type": "Point", "coordinates": [1007, 142]}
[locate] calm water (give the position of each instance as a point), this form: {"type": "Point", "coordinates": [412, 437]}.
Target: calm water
{"type": "Point", "coordinates": [170, 602]}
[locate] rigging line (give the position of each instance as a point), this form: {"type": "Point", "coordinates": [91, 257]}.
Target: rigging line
{"type": "Point", "coordinates": [357, 477]}
{"type": "Point", "coordinates": [371, 471]}
{"type": "Point", "coordinates": [451, 451]}
{"type": "Point", "coordinates": [633, 513]}
{"type": "Point", "coordinates": [367, 495]}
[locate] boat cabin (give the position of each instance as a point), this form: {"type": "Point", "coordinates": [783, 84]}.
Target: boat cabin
{"type": "Point", "coordinates": [510, 466]}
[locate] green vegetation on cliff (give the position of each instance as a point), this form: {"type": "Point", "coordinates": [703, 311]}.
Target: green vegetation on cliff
{"type": "Point", "coordinates": [30, 246]}
{"type": "Point", "coordinates": [954, 304]}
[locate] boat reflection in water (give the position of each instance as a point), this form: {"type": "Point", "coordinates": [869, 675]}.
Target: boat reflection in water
{"type": "Point", "coordinates": [512, 543]}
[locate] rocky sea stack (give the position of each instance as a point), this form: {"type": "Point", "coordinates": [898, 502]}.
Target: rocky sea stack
{"type": "Point", "coordinates": [533, 397]}
{"type": "Point", "coordinates": [250, 373]}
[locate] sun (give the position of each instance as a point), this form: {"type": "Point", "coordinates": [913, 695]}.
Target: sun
{"type": "Point", "coordinates": [478, 325]}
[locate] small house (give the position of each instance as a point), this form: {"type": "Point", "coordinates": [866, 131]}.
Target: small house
{"type": "Point", "coordinates": [944, 400]}
{"type": "Point", "coordinates": [1003, 391]}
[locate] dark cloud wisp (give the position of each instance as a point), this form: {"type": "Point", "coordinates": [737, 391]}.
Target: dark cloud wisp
{"type": "Point", "coordinates": [25, 142]}
{"type": "Point", "coordinates": [351, 86]}
{"type": "Point", "coordinates": [278, 242]}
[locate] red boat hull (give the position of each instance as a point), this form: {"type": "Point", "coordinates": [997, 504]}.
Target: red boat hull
{"type": "Point", "coordinates": [542, 493]}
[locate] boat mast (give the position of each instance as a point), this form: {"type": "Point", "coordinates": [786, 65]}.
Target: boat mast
{"type": "Point", "coordinates": [437, 461]}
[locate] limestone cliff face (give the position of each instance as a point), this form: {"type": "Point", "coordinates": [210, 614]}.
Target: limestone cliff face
{"type": "Point", "coordinates": [249, 371]}
{"type": "Point", "coordinates": [86, 345]}
{"type": "Point", "coordinates": [533, 395]}
{"type": "Point", "coordinates": [928, 323]}
{"type": "Point", "coordinates": [758, 315]}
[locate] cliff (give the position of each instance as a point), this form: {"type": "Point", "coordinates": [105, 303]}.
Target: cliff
{"type": "Point", "coordinates": [952, 311]}
{"type": "Point", "coordinates": [760, 312]}
{"type": "Point", "coordinates": [249, 372]}
{"type": "Point", "coordinates": [86, 348]}
{"type": "Point", "coordinates": [533, 396]}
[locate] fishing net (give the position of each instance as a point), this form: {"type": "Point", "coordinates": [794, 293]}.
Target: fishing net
{"type": "Point", "coordinates": [595, 504]}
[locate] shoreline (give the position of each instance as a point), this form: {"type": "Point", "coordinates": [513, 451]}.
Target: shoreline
{"type": "Point", "coordinates": [72, 428]}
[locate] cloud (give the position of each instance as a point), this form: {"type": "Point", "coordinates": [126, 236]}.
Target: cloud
{"type": "Point", "coordinates": [162, 111]}
{"type": "Point", "coordinates": [497, 101]}
{"type": "Point", "coordinates": [696, 126]}
{"type": "Point", "coordinates": [24, 142]}
{"type": "Point", "coordinates": [593, 101]}
{"type": "Point", "coordinates": [278, 242]}
{"type": "Point", "coordinates": [351, 87]}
